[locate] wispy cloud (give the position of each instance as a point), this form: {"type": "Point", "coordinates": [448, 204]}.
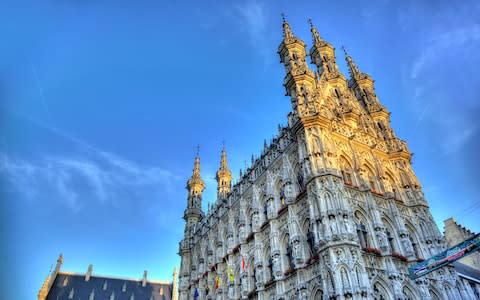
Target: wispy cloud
{"type": "Point", "coordinates": [103, 178]}
{"type": "Point", "coordinates": [442, 42]}
{"type": "Point", "coordinates": [252, 17]}
{"type": "Point", "coordinates": [82, 176]}
{"type": "Point", "coordinates": [456, 140]}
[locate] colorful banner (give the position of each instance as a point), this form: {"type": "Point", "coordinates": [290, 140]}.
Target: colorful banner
{"type": "Point", "coordinates": [446, 257]}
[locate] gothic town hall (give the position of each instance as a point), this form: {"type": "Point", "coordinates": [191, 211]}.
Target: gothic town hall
{"type": "Point", "coordinates": [331, 209]}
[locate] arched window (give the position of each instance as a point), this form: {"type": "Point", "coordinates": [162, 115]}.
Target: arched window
{"type": "Point", "coordinates": [362, 230]}
{"type": "Point", "coordinates": [414, 241]}
{"type": "Point", "coordinates": [391, 236]}
{"type": "Point", "coordinates": [318, 295]}
{"type": "Point", "coordinates": [380, 292]}
{"type": "Point", "coordinates": [287, 253]}
{"type": "Point", "coordinates": [347, 171]}
{"type": "Point", "coordinates": [409, 295]}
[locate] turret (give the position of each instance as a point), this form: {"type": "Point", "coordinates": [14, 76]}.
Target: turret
{"type": "Point", "coordinates": [224, 177]}
{"type": "Point", "coordinates": [362, 84]}
{"type": "Point", "coordinates": [322, 54]}
{"type": "Point", "coordinates": [299, 80]}
{"type": "Point", "coordinates": [195, 187]}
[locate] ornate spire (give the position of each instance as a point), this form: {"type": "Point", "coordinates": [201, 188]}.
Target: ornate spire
{"type": "Point", "coordinates": [195, 184]}
{"type": "Point", "coordinates": [352, 67]}
{"type": "Point", "coordinates": [224, 176]}
{"type": "Point", "coordinates": [287, 32]}
{"type": "Point", "coordinates": [316, 37]}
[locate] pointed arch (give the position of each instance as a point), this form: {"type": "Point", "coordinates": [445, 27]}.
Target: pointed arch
{"type": "Point", "coordinates": [267, 262]}
{"type": "Point", "coordinates": [414, 239]}
{"type": "Point", "coordinates": [357, 273]}
{"type": "Point", "coordinates": [306, 230]}
{"type": "Point", "coordinates": [347, 171]}
{"type": "Point", "coordinates": [344, 277]}
{"type": "Point", "coordinates": [317, 294]}
{"type": "Point", "coordinates": [381, 290]}
{"type": "Point", "coordinates": [364, 228]}
{"type": "Point", "coordinates": [391, 184]}
{"type": "Point", "coordinates": [328, 200]}
{"type": "Point", "coordinates": [392, 236]}
{"type": "Point", "coordinates": [409, 293]}
{"type": "Point", "coordinates": [369, 175]}
{"type": "Point", "coordinates": [434, 293]}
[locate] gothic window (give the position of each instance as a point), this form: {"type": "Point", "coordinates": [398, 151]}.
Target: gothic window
{"type": "Point", "coordinates": [415, 248]}
{"type": "Point", "coordinates": [347, 177]}
{"type": "Point", "coordinates": [318, 295]}
{"type": "Point", "coordinates": [370, 177]}
{"type": "Point", "coordinates": [308, 235]}
{"type": "Point", "coordinates": [372, 184]}
{"type": "Point", "coordinates": [408, 294]}
{"type": "Point", "coordinates": [390, 241]}
{"type": "Point", "coordinates": [379, 292]}
{"type": "Point", "coordinates": [290, 256]}
{"type": "Point", "coordinates": [358, 276]}
{"type": "Point", "coordinates": [362, 235]}
{"type": "Point", "coordinates": [268, 264]}
{"type": "Point", "coordinates": [366, 95]}
{"type": "Point", "coordinates": [434, 295]}
{"type": "Point", "coordinates": [300, 180]}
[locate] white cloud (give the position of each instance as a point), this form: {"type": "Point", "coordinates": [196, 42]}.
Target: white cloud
{"type": "Point", "coordinates": [102, 177]}
{"type": "Point", "coordinates": [443, 43]}
{"type": "Point", "coordinates": [252, 17]}
{"type": "Point", "coordinates": [457, 139]}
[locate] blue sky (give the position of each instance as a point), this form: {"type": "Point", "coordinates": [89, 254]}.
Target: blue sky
{"type": "Point", "coordinates": [102, 104]}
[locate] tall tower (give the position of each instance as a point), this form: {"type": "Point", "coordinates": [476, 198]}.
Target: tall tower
{"type": "Point", "coordinates": [299, 80]}
{"type": "Point", "coordinates": [223, 177]}
{"type": "Point", "coordinates": [195, 187]}
{"type": "Point", "coordinates": [193, 215]}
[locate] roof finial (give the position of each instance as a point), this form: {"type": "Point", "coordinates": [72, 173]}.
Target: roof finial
{"type": "Point", "coordinates": [198, 150]}
{"type": "Point", "coordinates": [316, 35]}
{"type": "Point", "coordinates": [345, 51]}
{"type": "Point", "coordinates": [287, 32]}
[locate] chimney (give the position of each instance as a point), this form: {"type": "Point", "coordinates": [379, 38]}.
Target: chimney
{"type": "Point", "coordinates": [144, 280]}
{"type": "Point", "coordinates": [89, 272]}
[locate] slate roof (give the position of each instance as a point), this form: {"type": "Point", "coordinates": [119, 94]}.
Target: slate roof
{"type": "Point", "coordinates": [467, 271]}
{"type": "Point", "coordinates": [104, 287]}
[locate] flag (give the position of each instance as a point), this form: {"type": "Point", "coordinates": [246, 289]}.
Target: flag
{"type": "Point", "coordinates": [231, 277]}
{"type": "Point", "coordinates": [195, 295]}
{"type": "Point", "coordinates": [243, 264]}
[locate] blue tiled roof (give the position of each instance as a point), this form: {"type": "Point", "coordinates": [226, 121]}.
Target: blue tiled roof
{"type": "Point", "coordinates": [103, 287]}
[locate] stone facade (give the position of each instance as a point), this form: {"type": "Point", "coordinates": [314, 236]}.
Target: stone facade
{"type": "Point", "coordinates": [331, 209]}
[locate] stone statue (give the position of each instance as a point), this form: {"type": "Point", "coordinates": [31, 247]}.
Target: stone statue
{"type": "Point", "coordinates": [346, 224]}
{"type": "Point", "coordinates": [259, 275]}
{"type": "Point", "coordinates": [297, 250]}
{"type": "Point", "coordinates": [315, 143]}
{"type": "Point", "coordinates": [382, 239]}
{"type": "Point", "coordinates": [255, 220]}
{"type": "Point", "coordinates": [241, 232]}
{"type": "Point", "coordinates": [276, 265]}
{"type": "Point", "coordinates": [407, 246]}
